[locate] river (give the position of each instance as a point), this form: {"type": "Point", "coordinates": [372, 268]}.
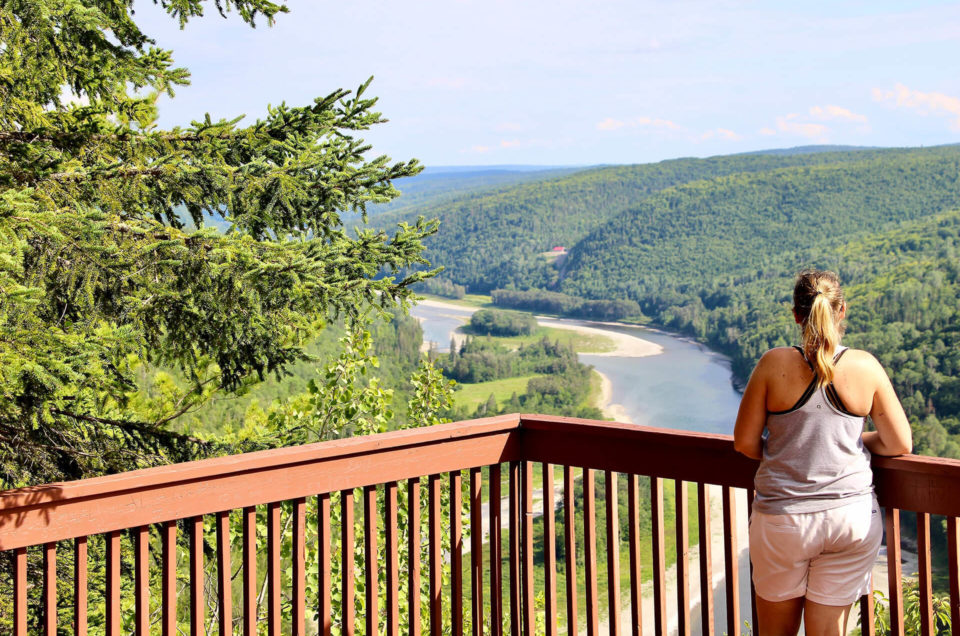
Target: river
{"type": "Point", "coordinates": [686, 387]}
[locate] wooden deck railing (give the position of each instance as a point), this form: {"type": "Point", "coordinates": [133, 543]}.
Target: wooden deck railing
{"type": "Point", "coordinates": [146, 588]}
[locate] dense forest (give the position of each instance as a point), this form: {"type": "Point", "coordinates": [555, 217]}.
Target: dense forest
{"type": "Point", "coordinates": [497, 240]}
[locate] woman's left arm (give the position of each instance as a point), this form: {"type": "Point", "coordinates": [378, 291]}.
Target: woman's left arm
{"type": "Point", "coordinates": [752, 415]}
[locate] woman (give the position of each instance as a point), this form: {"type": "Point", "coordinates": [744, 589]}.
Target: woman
{"type": "Point", "coordinates": [815, 529]}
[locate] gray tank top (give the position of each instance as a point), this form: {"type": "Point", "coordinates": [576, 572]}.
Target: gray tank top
{"type": "Point", "coordinates": [813, 456]}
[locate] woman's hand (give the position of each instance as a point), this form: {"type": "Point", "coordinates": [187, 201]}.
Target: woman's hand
{"type": "Point", "coordinates": [752, 415]}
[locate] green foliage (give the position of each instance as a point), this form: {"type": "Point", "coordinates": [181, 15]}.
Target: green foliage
{"type": "Point", "coordinates": [497, 239]}
{"type": "Point", "coordinates": [101, 278]}
{"type": "Point", "coordinates": [911, 611]}
{"type": "Point", "coordinates": [494, 322]}
{"type": "Point", "coordinates": [539, 300]}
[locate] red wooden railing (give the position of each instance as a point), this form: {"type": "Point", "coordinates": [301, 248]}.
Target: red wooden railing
{"type": "Point", "coordinates": [152, 507]}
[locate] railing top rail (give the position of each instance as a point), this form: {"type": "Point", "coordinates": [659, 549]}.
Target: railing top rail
{"type": "Point", "coordinates": [259, 460]}
{"type": "Point", "coordinates": [52, 512]}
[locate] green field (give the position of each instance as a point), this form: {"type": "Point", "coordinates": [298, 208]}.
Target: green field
{"type": "Point", "coordinates": [473, 395]}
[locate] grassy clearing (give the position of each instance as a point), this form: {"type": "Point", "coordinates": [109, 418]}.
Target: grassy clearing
{"type": "Point", "coordinates": [473, 395]}
{"type": "Point", "coordinates": [581, 343]}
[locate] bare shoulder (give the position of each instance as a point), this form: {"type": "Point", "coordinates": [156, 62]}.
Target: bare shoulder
{"type": "Point", "coordinates": [863, 362]}
{"type": "Point", "coordinates": [776, 359]}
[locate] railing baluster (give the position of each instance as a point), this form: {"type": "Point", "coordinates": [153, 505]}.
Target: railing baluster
{"type": "Point", "coordinates": [570, 548]}
{"type": "Point", "coordinates": [346, 563]}
{"type": "Point", "coordinates": [413, 549]}
{"type": "Point", "coordinates": [436, 558]}
{"type": "Point", "coordinates": [324, 567]}
{"type": "Point", "coordinates": [731, 566]}
{"type": "Point", "coordinates": [299, 567]}
{"type": "Point", "coordinates": [867, 627]}
{"type": "Point", "coordinates": [682, 527]}
{"type": "Point", "coordinates": [894, 570]}
{"type": "Point", "coordinates": [706, 560]}
{"type": "Point", "coordinates": [923, 565]}
{"type": "Point", "coordinates": [496, 581]}
{"type": "Point", "coordinates": [169, 578]}
{"type": "Point", "coordinates": [80, 586]}
{"type": "Point", "coordinates": [142, 580]}
{"type": "Point", "coordinates": [753, 591]}
{"type": "Point", "coordinates": [590, 553]}
{"type": "Point", "coordinates": [196, 577]}
{"type": "Point", "coordinates": [476, 551]}
{"type": "Point", "coordinates": [224, 588]}
{"type": "Point", "coordinates": [636, 599]}
{"type": "Point", "coordinates": [113, 584]}
{"type": "Point", "coordinates": [549, 550]}
{"type": "Point", "coordinates": [456, 553]}
{"type": "Point", "coordinates": [370, 560]}
{"type": "Point", "coordinates": [953, 568]}
{"type": "Point", "coordinates": [613, 552]}
{"type": "Point", "coordinates": [249, 571]}
{"type": "Point", "coordinates": [659, 556]}
{"type": "Point", "coordinates": [20, 592]}
{"type": "Point", "coordinates": [393, 560]}
{"type": "Point", "coordinates": [514, 550]}
{"type": "Point", "coordinates": [50, 589]}
{"type": "Point", "coordinates": [273, 568]}
{"type": "Point", "coordinates": [529, 619]}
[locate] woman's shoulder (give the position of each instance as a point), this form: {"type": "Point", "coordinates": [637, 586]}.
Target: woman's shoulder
{"type": "Point", "coordinates": [780, 354]}
{"type": "Point", "coordinates": [862, 360]}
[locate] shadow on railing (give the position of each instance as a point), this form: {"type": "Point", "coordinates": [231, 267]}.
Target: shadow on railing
{"type": "Point", "coordinates": [285, 514]}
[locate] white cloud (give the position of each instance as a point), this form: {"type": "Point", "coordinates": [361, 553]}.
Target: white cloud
{"type": "Point", "coordinates": [511, 143]}
{"type": "Point", "coordinates": [767, 131]}
{"type": "Point", "coordinates": [833, 112]}
{"type": "Point", "coordinates": [925, 103]}
{"type": "Point", "coordinates": [610, 124]}
{"type": "Point", "coordinates": [792, 124]}
{"type": "Point", "coordinates": [655, 123]}
{"type": "Point", "coordinates": [721, 133]}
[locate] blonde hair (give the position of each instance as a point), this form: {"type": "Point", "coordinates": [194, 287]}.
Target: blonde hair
{"type": "Point", "coordinates": [817, 303]}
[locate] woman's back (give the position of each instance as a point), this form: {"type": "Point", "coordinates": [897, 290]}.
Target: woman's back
{"type": "Point", "coordinates": [813, 456]}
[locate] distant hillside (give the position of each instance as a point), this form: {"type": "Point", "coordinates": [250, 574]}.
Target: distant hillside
{"type": "Point", "coordinates": [806, 150]}
{"type": "Point", "coordinates": [444, 183]}
{"type": "Point", "coordinates": [697, 235]}
{"type": "Point", "coordinates": [495, 240]}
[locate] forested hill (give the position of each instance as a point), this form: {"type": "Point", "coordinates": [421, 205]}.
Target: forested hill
{"type": "Point", "coordinates": [497, 239]}
{"type": "Point", "coordinates": [695, 237]}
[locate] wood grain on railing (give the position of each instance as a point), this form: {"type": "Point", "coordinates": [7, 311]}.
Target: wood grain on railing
{"type": "Point", "coordinates": [80, 587]}
{"type": "Point", "coordinates": [371, 564]}
{"type": "Point", "coordinates": [436, 558]}
{"type": "Point", "coordinates": [250, 567]}
{"type": "Point", "coordinates": [113, 584]}
{"type": "Point", "coordinates": [658, 552]}
{"type": "Point", "coordinates": [495, 540]}
{"type": "Point", "coordinates": [590, 553]}
{"type": "Point", "coordinates": [456, 553]}
{"type": "Point", "coordinates": [413, 558]}
{"type": "Point", "coordinates": [683, 558]}
{"type": "Point", "coordinates": [514, 549]}
{"type": "Point", "coordinates": [476, 551]}
{"type": "Point", "coordinates": [392, 536]}
{"type": "Point", "coordinates": [953, 568]}
{"type": "Point", "coordinates": [195, 526]}
{"type": "Point", "coordinates": [706, 559]}
{"type": "Point", "coordinates": [925, 584]}
{"type": "Point", "coordinates": [570, 548]}
{"type": "Point", "coordinates": [274, 568]}
{"type": "Point", "coordinates": [894, 570]}
{"type": "Point", "coordinates": [169, 579]}
{"type": "Point", "coordinates": [526, 569]}
{"type": "Point", "coordinates": [636, 598]}
{"type": "Point", "coordinates": [224, 578]}
{"type": "Point", "coordinates": [613, 552]}
{"type": "Point", "coordinates": [347, 607]}
{"type": "Point", "coordinates": [50, 589]}
{"type": "Point", "coordinates": [549, 550]}
{"type": "Point", "coordinates": [730, 561]}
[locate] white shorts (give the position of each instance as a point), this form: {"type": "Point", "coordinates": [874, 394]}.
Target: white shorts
{"type": "Point", "coordinates": [825, 556]}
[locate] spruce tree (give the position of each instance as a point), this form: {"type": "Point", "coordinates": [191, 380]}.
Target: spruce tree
{"type": "Point", "coordinates": [108, 263]}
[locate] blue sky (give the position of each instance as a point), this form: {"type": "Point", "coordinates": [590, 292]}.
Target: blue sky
{"type": "Point", "coordinates": [574, 83]}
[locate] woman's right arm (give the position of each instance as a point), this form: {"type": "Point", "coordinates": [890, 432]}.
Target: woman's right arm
{"type": "Point", "coordinates": [893, 436]}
